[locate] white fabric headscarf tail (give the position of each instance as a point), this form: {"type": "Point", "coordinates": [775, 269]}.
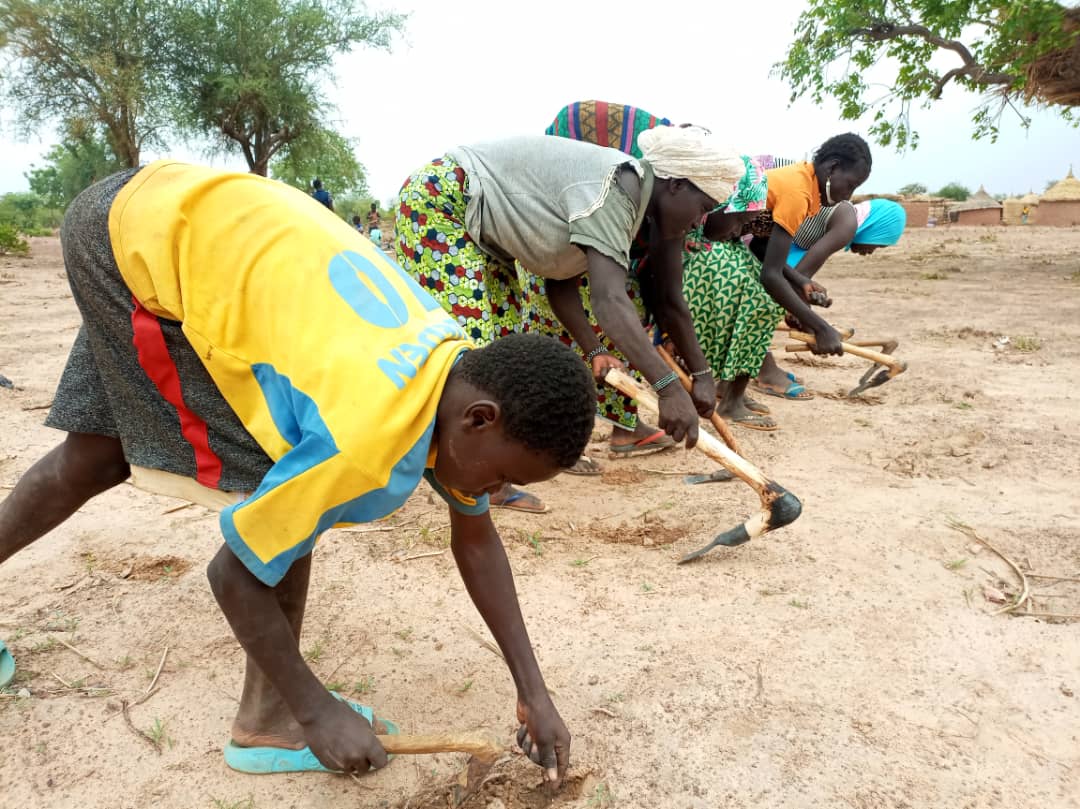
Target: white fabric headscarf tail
{"type": "Point", "coordinates": [692, 153]}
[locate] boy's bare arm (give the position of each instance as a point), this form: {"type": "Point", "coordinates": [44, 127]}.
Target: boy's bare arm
{"type": "Point", "coordinates": [485, 570]}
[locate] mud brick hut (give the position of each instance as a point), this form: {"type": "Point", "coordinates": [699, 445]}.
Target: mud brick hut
{"type": "Point", "coordinates": [917, 209]}
{"type": "Point", "coordinates": [1060, 205]}
{"type": "Point", "coordinates": [1013, 209]}
{"type": "Point", "coordinates": [978, 209]}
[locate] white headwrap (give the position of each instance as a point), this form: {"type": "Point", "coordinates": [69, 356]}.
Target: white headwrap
{"type": "Point", "coordinates": [691, 153]}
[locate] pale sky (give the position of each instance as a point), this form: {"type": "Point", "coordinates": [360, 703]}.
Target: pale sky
{"type": "Point", "coordinates": [472, 70]}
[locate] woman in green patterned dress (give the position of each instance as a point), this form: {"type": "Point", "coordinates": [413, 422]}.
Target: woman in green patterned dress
{"type": "Point", "coordinates": [734, 316]}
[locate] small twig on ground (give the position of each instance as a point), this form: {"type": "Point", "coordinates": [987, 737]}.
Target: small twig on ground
{"type": "Point", "coordinates": [1065, 616]}
{"type": "Point", "coordinates": [37, 407]}
{"type": "Point", "coordinates": [157, 673]}
{"type": "Point", "coordinates": [135, 730]}
{"type": "Point", "coordinates": [180, 507]}
{"type": "Point", "coordinates": [371, 529]}
{"type": "Point", "coordinates": [760, 683]}
{"type": "Point", "coordinates": [69, 647]}
{"type": "Point", "coordinates": [360, 781]}
{"type": "Point", "coordinates": [491, 647]}
{"type": "Point", "coordinates": [424, 555]}
{"type": "Point", "coordinates": [61, 680]}
{"type": "Point", "coordinates": [1025, 592]}
{"type": "Point", "coordinates": [958, 712]}
{"type": "Point", "coordinates": [606, 712]}
{"type": "Point", "coordinates": [1051, 578]}
{"type": "Point", "coordinates": [669, 472]}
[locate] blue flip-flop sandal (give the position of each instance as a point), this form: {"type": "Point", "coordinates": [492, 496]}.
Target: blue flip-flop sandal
{"type": "Point", "coordinates": [263, 760]}
{"type": "Point", "coordinates": [7, 665]}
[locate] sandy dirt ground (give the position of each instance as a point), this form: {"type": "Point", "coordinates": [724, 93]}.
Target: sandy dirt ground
{"type": "Point", "coordinates": [850, 660]}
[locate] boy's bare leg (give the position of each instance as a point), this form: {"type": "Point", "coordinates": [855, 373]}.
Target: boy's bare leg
{"type": "Point", "coordinates": [263, 719]}
{"type": "Point", "coordinates": [56, 486]}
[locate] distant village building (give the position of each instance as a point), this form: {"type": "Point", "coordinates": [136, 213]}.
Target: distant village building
{"type": "Point", "coordinates": [1013, 209]}
{"type": "Point", "coordinates": [978, 209]}
{"type": "Point", "coordinates": [1060, 205]}
{"type": "Point", "coordinates": [917, 208]}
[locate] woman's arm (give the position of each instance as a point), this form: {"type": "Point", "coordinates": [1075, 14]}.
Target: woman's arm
{"type": "Point", "coordinates": [838, 235]}
{"type": "Point", "coordinates": [774, 279]}
{"type": "Point", "coordinates": [664, 278]}
{"type": "Point", "coordinates": [565, 299]}
{"type": "Point", "coordinates": [620, 322]}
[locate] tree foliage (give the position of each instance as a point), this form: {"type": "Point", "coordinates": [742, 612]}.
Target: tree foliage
{"type": "Point", "coordinates": [954, 191]}
{"type": "Point", "coordinates": [81, 160]}
{"type": "Point", "coordinates": [913, 189]}
{"type": "Point", "coordinates": [249, 72]}
{"type": "Point", "coordinates": [11, 241]}
{"type": "Point", "coordinates": [324, 154]}
{"type": "Point", "coordinates": [991, 45]}
{"type": "Point", "coordinates": [88, 63]}
{"type": "Point", "coordinates": [28, 213]}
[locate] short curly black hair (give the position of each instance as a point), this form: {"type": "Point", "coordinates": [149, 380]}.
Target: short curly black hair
{"type": "Point", "coordinates": [849, 150]}
{"type": "Point", "coordinates": [547, 394]}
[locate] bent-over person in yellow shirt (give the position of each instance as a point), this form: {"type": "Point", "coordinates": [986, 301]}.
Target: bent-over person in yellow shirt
{"type": "Point", "coordinates": [239, 334]}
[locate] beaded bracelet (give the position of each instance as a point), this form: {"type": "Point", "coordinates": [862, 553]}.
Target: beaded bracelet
{"type": "Point", "coordinates": [664, 381]}
{"type": "Point", "coordinates": [596, 352]}
{"type": "Point", "coordinates": [696, 374]}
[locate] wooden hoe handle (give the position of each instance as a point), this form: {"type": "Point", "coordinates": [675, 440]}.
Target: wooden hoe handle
{"type": "Point", "coordinates": [480, 745]}
{"type": "Point", "coordinates": [721, 426]}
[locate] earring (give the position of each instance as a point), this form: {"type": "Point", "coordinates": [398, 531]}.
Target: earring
{"type": "Point", "coordinates": [828, 190]}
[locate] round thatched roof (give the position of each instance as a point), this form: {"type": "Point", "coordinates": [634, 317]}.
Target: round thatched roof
{"type": "Point", "coordinates": [1030, 198]}
{"type": "Point", "coordinates": [1068, 190]}
{"type": "Point", "coordinates": [977, 201]}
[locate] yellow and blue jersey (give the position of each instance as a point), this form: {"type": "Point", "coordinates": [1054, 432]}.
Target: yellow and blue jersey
{"type": "Point", "coordinates": [332, 357]}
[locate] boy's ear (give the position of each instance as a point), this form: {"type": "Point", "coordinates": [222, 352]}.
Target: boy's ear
{"type": "Point", "coordinates": [482, 414]}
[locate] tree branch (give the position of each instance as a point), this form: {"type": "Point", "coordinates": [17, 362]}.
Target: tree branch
{"type": "Point", "coordinates": [884, 31]}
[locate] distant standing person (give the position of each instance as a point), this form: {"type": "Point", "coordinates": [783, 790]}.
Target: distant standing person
{"type": "Point", "coordinates": [321, 194]}
{"type": "Point", "coordinates": [356, 223]}
{"type": "Point", "coordinates": [373, 216]}
{"type": "Point", "coordinates": [1024, 214]}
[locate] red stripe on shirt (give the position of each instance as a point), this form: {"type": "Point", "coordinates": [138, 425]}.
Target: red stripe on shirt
{"type": "Point", "coordinates": [159, 366]}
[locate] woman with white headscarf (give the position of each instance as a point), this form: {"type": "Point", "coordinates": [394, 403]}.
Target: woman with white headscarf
{"type": "Point", "coordinates": [565, 209]}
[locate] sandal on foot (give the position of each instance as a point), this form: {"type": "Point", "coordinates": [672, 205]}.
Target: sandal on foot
{"type": "Point", "coordinates": [263, 760]}
{"type": "Point", "coordinates": [584, 466]}
{"type": "Point", "coordinates": [7, 665]}
{"type": "Point", "coordinates": [756, 421]}
{"type": "Point", "coordinates": [795, 391]}
{"type": "Point", "coordinates": [523, 501]}
{"type": "Point", "coordinates": [646, 446]}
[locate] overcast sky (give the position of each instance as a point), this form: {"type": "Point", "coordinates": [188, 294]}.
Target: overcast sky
{"type": "Point", "coordinates": [471, 70]}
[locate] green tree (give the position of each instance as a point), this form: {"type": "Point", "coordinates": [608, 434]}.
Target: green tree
{"type": "Point", "coordinates": [324, 154]}
{"type": "Point", "coordinates": [954, 191]}
{"type": "Point", "coordinates": [86, 63]}
{"type": "Point", "coordinates": [842, 45]}
{"type": "Point", "coordinates": [913, 189]}
{"type": "Point", "coordinates": [28, 213]}
{"type": "Point", "coordinates": [81, 160]}
{"type": "Point", "coordinates": [249, 72]}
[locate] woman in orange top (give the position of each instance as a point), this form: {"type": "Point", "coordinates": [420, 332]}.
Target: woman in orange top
{"type": "Point", "coordinates": [796, 193]}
